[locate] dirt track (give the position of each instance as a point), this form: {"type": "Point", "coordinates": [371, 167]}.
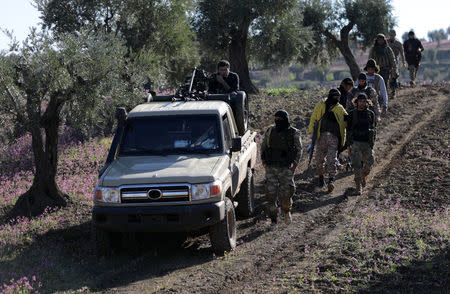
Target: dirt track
{"type": "Point", "coordinates": [264, 254]}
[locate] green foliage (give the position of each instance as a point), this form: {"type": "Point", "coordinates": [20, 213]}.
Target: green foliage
{"type": "Point", "coordinates": [363, 18]}
{"type": "Point", "coordinates": [280, 91]}
{"type": "Point", "coordinates": [156, 33]}
{"type": "Point", "coordinates": [81, 74]}
{"type": "Point", "coordinates": [274, 36]}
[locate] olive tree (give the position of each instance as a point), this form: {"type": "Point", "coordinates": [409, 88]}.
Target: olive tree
{"type": "Point", "coordinates": [157, 33]}
{"type": "Point", "coordinates": [39, 79]}
{"type": "Point", "coordinates": [337, 23]}
{"type": "Point", "coordinates": [267, 31]}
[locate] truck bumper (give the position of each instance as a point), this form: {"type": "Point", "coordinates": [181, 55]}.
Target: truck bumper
{"type": "Point", "coordinates": [158, 218]}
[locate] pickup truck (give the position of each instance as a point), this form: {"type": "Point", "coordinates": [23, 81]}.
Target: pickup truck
{"type": "Point", "coordinates": [176, 166]}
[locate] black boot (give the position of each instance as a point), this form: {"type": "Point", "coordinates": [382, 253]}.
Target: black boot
{"type": "Point", "coordinates": [321, 182]}
{"type": "Point", "coordinates": [330, 184]}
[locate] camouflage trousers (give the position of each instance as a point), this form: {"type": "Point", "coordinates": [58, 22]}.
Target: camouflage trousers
{"type": "Point", "coordinates": [327, 148]}
{"type": "Point", "coordinates": [279, 180]}
{"type": "Point", "coordinates": [362, 158]}
{"type": "Point", "coordinates": [413, 72]}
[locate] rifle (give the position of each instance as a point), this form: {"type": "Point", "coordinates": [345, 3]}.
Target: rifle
{"type": "Point", "coordinates": [311, 146]}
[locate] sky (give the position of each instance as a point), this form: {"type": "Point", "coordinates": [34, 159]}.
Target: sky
{"type": "Point", "coordinates": [421, 15]}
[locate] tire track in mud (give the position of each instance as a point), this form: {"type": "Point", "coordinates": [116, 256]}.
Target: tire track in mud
{"type": "Point", "coordinates": [267, 252]}
{"type": "Point", "coordinates": [332, 225]}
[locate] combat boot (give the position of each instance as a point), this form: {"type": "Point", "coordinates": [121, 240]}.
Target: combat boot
{"type": "Point", "coordinates": [287, 218]}
{"type": "Point", "coordinates": [358, 186]}
{"type": "Point", "coordinates": [330, 184]}
{"type": "Point", "coordinates": [321, 181]}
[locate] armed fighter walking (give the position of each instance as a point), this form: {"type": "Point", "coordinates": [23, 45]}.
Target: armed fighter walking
{"type": "Point", "coordinates": [327, 125]}
{"type": "Point", "coordinates": [363, 87]}
{"type": "Point", "coordinates": [361, 125]}
{"type": "Point", "coordinates": [413, 53]}
{"type": "Point", "coordinates": [384, 57]}
{"type": "Point", "coordinates": [376, 81]}
{"type": "Point", "coordinates": [397, 48]}
{"type": "Point", "coordinates": [281, 151]}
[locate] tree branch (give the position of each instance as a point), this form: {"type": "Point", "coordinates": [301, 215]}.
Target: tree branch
{"type": "Point", "coordinates": [19, 115]}
{"type": "Point", "coordinates": [331, 37]}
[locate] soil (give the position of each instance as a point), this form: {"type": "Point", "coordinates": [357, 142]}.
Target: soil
{"type": "Point", "coordinates": [412, 156]}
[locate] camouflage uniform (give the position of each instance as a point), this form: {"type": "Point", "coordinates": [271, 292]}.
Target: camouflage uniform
{"type": "Point", "coordinates": [327, 147]}
{"type": "Point", "coordinates": [362, 158]}
{"type": "Point", "coordinates": [275, 150]}
{"type": "Point", "coordinates": [397, 48]}
{"type": "Point", "coordinates": [384, 57]}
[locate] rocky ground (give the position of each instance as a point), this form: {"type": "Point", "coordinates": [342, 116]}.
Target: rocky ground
{"type": "Point", "coordinates": [392, 239]}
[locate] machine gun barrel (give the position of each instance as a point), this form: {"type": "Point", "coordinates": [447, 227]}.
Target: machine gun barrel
{"type": "Point", "coordinates": [192, 80]}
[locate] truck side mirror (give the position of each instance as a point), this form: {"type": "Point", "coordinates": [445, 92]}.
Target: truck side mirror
{"type": "Point", "coordinates": [236, 144]}
{"type": "Point", "coordinates": [121, 115]}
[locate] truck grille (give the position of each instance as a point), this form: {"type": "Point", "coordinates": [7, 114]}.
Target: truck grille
{"type": "Point", "coordinates": [150, 194]}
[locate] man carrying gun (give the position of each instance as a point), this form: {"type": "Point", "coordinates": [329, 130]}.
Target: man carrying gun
{"type": "Point", "coordinates": [361, 136]}
{"type": "Point", "coordinates": [327, 124]}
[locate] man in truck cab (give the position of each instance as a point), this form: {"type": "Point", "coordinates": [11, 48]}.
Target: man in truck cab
{"type": "Point", "coordinates": [224, 81]}
{"type": "Point", "coordinates": [281, 150]}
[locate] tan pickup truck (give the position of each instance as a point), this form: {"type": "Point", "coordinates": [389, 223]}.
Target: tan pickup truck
{"type": "Point", "coordinates": [176, 166]}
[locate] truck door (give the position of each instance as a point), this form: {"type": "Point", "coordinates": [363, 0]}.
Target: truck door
{"type": "Point", "coordinates": [234, 157]}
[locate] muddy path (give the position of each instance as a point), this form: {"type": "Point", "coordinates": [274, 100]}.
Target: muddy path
{"type": "Point", "coordinates": [265, 253]}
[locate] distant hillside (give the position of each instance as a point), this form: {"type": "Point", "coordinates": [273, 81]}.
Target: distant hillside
{"type": "Point", "coordinates": [435, 67]}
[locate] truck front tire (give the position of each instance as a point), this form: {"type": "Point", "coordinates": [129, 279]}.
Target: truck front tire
{"type": "Point", "coordinates": [223, 234]}
{"type": "Point", "coordinates": [246, 196]}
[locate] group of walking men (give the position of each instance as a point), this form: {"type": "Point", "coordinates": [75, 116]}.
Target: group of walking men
{"type": "Point", "coordinates": [345, 120]}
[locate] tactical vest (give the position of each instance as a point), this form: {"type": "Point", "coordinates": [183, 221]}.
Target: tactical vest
{"type": "Point", "coordinates": [281, 149]}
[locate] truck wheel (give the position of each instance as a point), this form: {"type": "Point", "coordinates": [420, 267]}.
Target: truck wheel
{"type": "Point", "coordinates": [239, 105]}
{"type": "Point", "coordinates": [246, 196]}
{"type": "Point", "coordinates": [223, 234]}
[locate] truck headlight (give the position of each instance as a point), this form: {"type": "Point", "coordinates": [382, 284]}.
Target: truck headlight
{"type": "Point", "coordinates": [109, 195]}
{"type": "Point", "coordinates": [205, 191]}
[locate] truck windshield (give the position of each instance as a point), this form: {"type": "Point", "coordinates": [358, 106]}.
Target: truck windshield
{"type": "Point", "coordinates": [163, 135]}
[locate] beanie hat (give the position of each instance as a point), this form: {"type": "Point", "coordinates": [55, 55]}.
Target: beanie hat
{"type": "Point", "coordinates": [362, 76]}
{"type": "Point", "coordinates": [411, 33]}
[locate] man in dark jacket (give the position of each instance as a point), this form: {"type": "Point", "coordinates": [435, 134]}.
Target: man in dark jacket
{"type": "Point", "coordinates": [281, 150]}
{"type": "Point", "coordinates": [385, 59]}
{"type": "Point", "coordinates": [413, 53]}
{"type": "Point", "coordinates": [361, 125]}
{"type": "Point", "coordinates": [224, 81]}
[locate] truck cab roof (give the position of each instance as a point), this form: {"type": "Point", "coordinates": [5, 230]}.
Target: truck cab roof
{"type": "Point", "coordinates": [178, 108]}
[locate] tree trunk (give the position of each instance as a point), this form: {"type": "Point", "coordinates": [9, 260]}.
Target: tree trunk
{"type": "Point", "coordinates": [344, 48]}
{"type": "Point", "coordinates": [349, 59]}
{"type": "Point", "coordinates": [44, 191]}
{"type": "Point", "coordinates": [238, 60]}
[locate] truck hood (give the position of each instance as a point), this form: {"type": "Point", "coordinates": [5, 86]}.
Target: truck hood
{"type": "Point", "coordinates": [137, 170]}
